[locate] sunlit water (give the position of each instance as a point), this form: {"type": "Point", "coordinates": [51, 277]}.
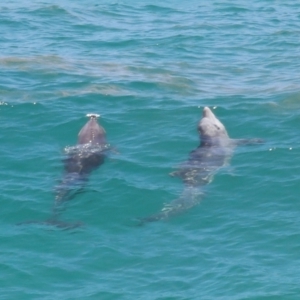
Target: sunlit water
{"type": "Point", "coordinates": [149, 68]}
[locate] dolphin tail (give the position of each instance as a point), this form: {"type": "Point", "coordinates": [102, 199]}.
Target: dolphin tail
{"type": "Point", "coordinates": [189, 198]}
{"type": "Point", "coordinates": [152, 218]}
{"type": "Point", "coordinates": [167, 212]}
{"type": "Point", "coordinates": [55, 223]}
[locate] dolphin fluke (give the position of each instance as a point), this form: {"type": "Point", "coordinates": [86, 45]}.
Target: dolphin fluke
{"type": "Point", "coordinates": [150, 219]}
{"type": "Point", "coordinates": [55, 223]}
{"type": "Point", "coordinates": [159, 216]}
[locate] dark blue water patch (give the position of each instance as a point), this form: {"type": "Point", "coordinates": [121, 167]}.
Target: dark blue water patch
{"type": "Point", "coordinates": [121, 8]}
{"type": "Point", "coordinates": [232, 10]}
{"type": "Point", "coordinates": [112, 45]}
{"type": "Point", "coordinates": [91, 31]}
{"type": "Point", "coordinates": [52, 11]}
{"type": "Point", "coordinates": [163, 10]}
{"type": "Point", "coordinates": [143, 85]}
{"type": "Point", "coordinates": [44, 19]}
{"type": "Point", "coordinates": [181, 40]}
{"type": "Point", "coordinates": [14, 24]}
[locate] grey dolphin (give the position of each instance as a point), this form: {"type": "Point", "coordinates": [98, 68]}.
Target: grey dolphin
{"type": "Point", "coordinates": [214, 152]}
{"type": "Point", "coordinates": [81, 160]}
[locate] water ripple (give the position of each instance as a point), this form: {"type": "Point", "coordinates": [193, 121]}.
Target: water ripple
{"type": "Point", "coordinates": [149, 68]}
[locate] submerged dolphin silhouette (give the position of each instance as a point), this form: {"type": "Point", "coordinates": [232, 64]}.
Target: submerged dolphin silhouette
{"type": "Point", "coordinates": [214, 151]}
{"type": "Point", "coordinates": [81, 160]}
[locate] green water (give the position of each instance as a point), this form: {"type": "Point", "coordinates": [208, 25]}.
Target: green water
{"type": "Point", "coordinates": [149, 69]}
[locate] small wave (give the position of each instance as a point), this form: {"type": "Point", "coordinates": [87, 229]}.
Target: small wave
{"type": "Point", "coordinates": [160, 9]}
{"type": "Point", "coordinates": [86, 149]}
{"type": "Point", "coordinates": [51, 10]}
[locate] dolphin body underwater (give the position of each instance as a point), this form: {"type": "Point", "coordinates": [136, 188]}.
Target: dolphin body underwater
{"type": "Point", "coordinates": [81, 160]}
{"type": "Point", "coordinates": [214, 151]}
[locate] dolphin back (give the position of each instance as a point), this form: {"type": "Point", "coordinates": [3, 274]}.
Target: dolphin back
{"type": "Point", "coordinates": [92, 132]}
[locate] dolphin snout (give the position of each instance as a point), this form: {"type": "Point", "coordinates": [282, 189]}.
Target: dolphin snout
{"type": "Point", "coordinates": [207, 113]}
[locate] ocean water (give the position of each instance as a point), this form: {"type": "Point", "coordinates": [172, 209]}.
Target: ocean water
{"type": "Point", "coordinates": [149, 68]}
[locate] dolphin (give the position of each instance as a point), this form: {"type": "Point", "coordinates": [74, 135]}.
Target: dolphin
{"type": "Point", "coordinates": [214, 151]}
{"type": "Point", "coordinates": [81, 160]}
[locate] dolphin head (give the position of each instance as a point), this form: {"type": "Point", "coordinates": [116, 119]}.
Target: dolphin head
{"type": "Point", "coordinates": [92, 132]}
{"type": "Point", "coordinates": [211, 130]}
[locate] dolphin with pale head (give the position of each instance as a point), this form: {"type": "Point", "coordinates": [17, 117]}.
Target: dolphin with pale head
{"type": "Point", "coordinates": [214, 151]}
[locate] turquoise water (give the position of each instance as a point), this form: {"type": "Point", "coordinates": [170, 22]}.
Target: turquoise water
{"type": "Point", "coordinates": [149, 68]}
